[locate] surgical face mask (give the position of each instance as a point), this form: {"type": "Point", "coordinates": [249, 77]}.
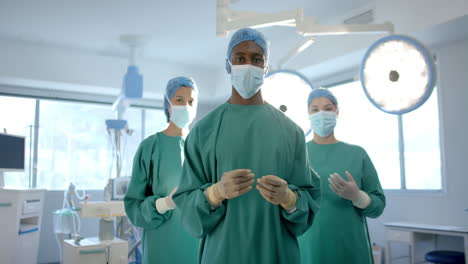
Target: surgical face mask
{"type": "Point", "coordinates": [247, 79]}
{"type": "Point", "coordinates": [182, 115]}
{"type": "Point", "coordinates": [323, 123]}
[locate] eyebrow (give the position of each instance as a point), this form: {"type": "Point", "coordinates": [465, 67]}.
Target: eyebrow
{"type": "Point", "coordinates": [324, 105]}
{"type": "Point", "coordinates": [239, 53]}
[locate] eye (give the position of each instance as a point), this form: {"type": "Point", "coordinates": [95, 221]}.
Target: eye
{"type": "Point", "coordinates": [315, 110]}
{"type": "Point", "coordinates": [258, 60]}
{"type": "Point", "coordinates": [180, 100]}
{"type": "Point", "coordinates": [239, 60]}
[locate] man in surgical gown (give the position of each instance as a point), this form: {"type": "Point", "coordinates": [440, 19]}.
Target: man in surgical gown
{"type": "Point", "coordinates": [246, 187]}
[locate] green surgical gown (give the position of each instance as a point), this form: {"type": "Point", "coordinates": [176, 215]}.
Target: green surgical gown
{"type": "Point", "coordinates": [339, 233]}
{"type": "Point", "coordinates": [246, 229]}
{"type": "Point", "coordinates": [156, 171]}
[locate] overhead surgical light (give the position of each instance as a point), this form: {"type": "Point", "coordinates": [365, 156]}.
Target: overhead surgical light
{"type": "Point", "coordinates": [397, 74]}
{"type": "Point", "coordinates": [288, 91]}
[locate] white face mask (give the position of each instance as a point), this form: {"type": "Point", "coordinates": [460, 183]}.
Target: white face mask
{"type": "Point", "coordinates": [323, 123]}
{"type": "Point", "coordinates": [247, 79]}
{"type": "Point", "coordinates": [182, 115]}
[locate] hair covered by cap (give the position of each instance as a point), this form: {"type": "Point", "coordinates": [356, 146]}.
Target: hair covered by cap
{"type": "Point", "coordinates": [321, 92]}
{"type": "Point", "coordinates": [245, 34]}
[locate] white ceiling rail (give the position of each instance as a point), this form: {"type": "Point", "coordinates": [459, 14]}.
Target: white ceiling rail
{"type": "Point", "coordinates": [308, 26]}
{"type": "Point", "coordinates": [228, 20]}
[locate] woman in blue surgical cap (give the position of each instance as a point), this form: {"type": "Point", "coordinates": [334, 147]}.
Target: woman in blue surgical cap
{"type": "Point", "coordinates": [156, 173]}
{"type": "Point", "coordinates": [350, 191]}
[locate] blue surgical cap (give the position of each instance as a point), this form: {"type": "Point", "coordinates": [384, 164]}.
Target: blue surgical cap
{"type": "Point", "coordinates": [321, 92]}
{"type": "Point", "coordinates": [172, 86]}
{"type": "Point", "coordinates": [245, 34]}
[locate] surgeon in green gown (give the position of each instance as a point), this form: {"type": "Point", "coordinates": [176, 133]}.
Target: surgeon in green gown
{"type": "Point", "coordinates": [350, 191]}
{"type": "Point", "coordinates": [246, 187]}
{"type": "Point", "coordinates": [155, 177]}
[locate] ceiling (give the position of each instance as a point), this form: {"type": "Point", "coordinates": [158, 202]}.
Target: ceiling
{"type": "Point", "coordinates": [181, 31]}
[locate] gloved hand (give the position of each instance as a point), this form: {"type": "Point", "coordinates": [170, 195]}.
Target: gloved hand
{"type": "Point", "coordinates": [349, 190]}
{"type": "Point", "coordinates": [232, 184]}
{"type": "Point", "coordinates": [166, 203]}
{"type": "Point", "coordinates": [276, 191]}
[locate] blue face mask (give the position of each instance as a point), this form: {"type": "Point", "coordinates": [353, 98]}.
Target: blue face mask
{"type": "Point", "coordinates": [247, 79]}
{"type": "Point", "coordinates": [323, 123]}
{"type": "Point", "coordinates": [182, 115]}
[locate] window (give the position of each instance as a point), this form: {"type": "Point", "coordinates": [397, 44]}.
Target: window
{"type": "Point", "coordinates": [360, 123]}
{"type": "Point", "coordinates": [422, 146]}
{"type": "Point", "coordinates": [73, 142]}
{"type": "Point", "coordinates": [17, 118]}
{"type": "Point", "coordinates": [74, 145]}
{"type": "Point", "coordinates": [155, 120]}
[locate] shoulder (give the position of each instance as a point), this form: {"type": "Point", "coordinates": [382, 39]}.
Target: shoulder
{"type": "Point", "coordinates": [287, 122]}
{"type": "Point", "coordinates": [355, 149]}
{"type": "Point", "coordinates": [205, 126]}
{"type": "Point", "coordinates": [147, 145]}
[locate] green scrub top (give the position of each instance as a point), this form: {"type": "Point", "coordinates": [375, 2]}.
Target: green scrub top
{"type": "Point", "coordinates": [156, 171]}
{"type": "Point", "coordinates": [339, 233]}
{"type": "Point", "coordinates": [246, 229]}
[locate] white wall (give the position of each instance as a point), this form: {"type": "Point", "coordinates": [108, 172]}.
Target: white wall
{"type": "Point", "coordinates": [447, 208]}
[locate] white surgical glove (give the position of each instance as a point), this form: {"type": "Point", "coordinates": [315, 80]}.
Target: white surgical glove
{"type": "Point", "coordinates": [232, 184]}
{"type": "Point", "coordinates": [166, 203]}
{"type": "Point", "coordinates": [349, 190]}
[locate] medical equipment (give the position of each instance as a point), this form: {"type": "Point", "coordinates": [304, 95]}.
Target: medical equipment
{"type": "Point", "coordinates": [95, 251]}
{"type": "Point", "coordinates": [119, 187]}
{"type": "Point", "coordinates": [67, 223]}
{"type": "Point", "coordinates": [106, 248]}
{"type": "Point", "coordinates": [228, 20]}
{"type": "Point", "coordinates": [397, 74]}
{"type": "Point", "coordinates": [12, 154]}
{"type": "Point", "coordinates": [21, 216]}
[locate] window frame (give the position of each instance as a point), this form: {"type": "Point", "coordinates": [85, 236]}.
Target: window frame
{"type": "Point", "coordinates": [68, 96]}
{"type": "Point", "coordinates": [401, 146]}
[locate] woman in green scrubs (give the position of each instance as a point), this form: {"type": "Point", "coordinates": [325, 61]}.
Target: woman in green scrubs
{"type": "Point", "coordinates": [156, 173]}
{"type": "Point", "coordinates": [350, 191]}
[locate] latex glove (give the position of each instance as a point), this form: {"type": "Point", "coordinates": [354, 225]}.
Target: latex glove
{"type": "Point", "coordinates": [166, 203]}
{"type": "Point", "coordinates": [276, 191]}
{"type": "Point", "coordinates": [232, 184]}
{"type": "Point", "coordinates": [349, 190]}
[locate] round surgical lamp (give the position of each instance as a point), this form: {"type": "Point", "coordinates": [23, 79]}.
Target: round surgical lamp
{"type": "Point", "coordinates": [397, 74]}
{"type": "Point", "coordinates": [288, 91]}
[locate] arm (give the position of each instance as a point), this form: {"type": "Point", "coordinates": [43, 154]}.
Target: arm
{"type": "Point", "coordinates": [298, 221]}
{"type": "Point", "coordinates": [139, 200]}
{"type": "Point", "coordinates": [198, 216]}
{"type": "Point", "coordinates": [371, 186]}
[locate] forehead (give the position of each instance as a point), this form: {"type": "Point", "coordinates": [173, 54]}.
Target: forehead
{"type": "Point", "coordinates": [321, 101]}
{"type": "Point", "coordinates": [246, 47]}
{"type": "Point", "coordinates": [184, 91]}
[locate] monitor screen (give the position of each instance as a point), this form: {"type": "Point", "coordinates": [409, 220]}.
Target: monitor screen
{"type": "Point", "coordinates": [11, 152]}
